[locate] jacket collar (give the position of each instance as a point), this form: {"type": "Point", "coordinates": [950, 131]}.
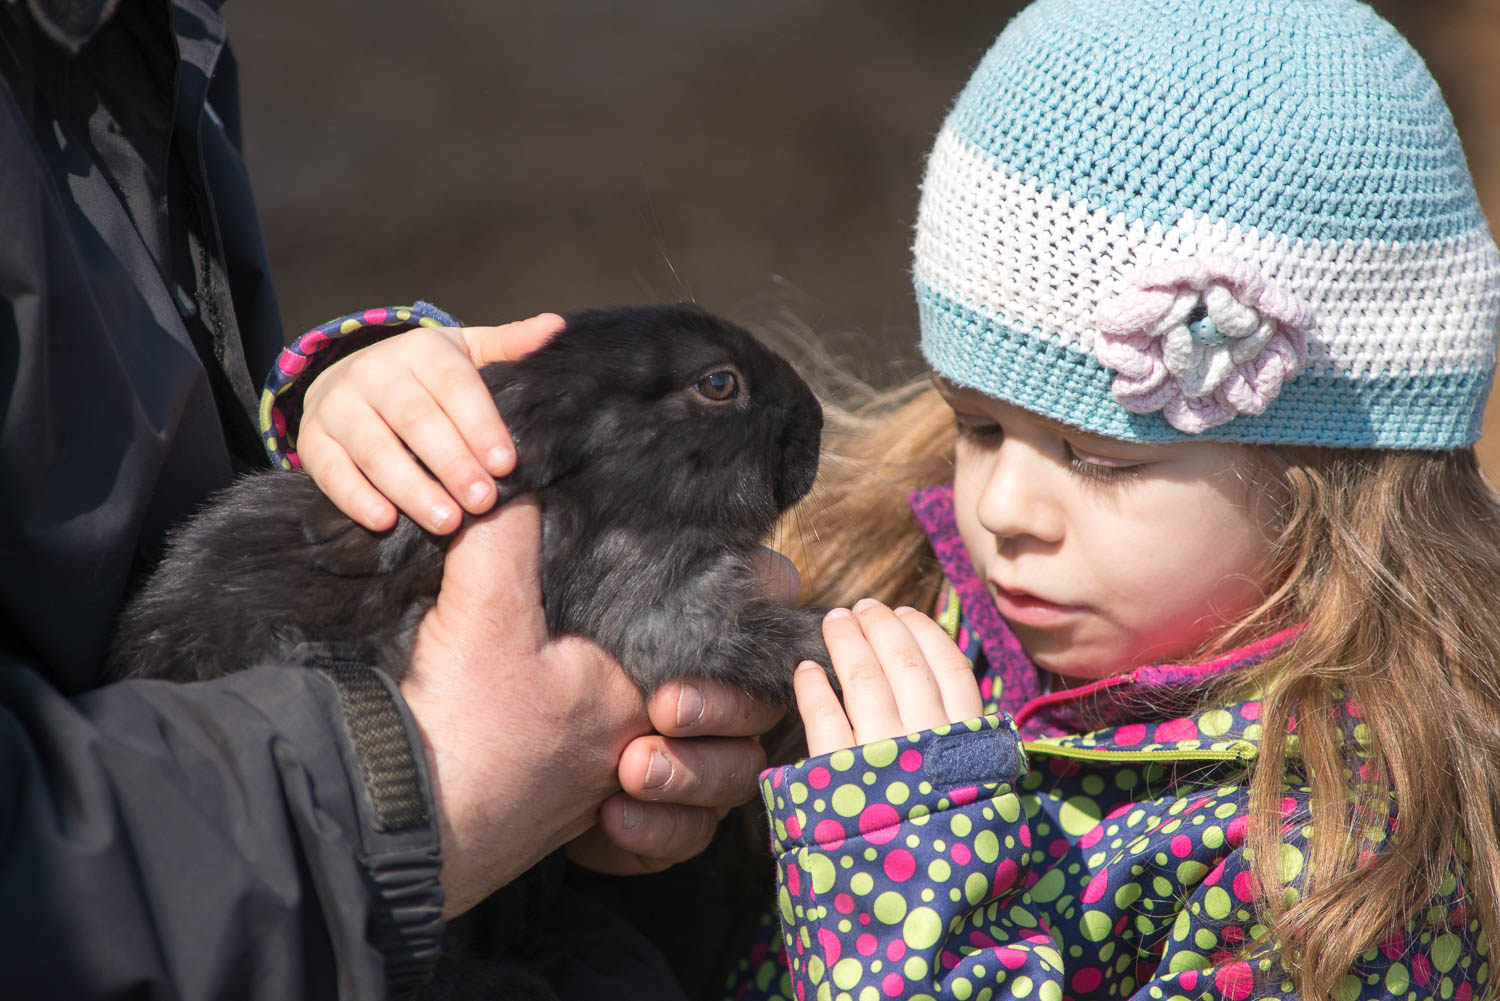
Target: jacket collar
{"type": "Point", "coordinates": [71, 23]}
{"type": "Point", "coordinates": [1155, 695]}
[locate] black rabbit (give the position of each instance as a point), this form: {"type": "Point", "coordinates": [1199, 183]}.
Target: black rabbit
{"type": "Point", "coordinates": [663, 443]}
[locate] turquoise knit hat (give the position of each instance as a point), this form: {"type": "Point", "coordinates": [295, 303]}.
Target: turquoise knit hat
{"type": "Point", "coordinates": [1246, 220]}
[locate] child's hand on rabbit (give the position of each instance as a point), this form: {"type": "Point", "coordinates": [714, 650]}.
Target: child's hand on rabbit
{"type": "Point", "coordinates": [900, 674]}
{"type": "Point", "coordinates": [419, 391]}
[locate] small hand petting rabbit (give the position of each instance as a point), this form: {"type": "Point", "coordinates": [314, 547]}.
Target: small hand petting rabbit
{"type": "Point", "coordinates": [663, 443]}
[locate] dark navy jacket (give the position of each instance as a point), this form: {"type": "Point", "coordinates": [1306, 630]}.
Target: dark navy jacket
{"type": "Point", "coordinates": [144, 827]}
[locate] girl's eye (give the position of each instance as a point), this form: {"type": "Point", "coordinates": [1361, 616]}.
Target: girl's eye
{"type": "Point", "coordinates": [979, 430]}
{"type": "Point", "coordinates": [1100, 467]}
{"type": "Point", "coordinates": [718, 386]}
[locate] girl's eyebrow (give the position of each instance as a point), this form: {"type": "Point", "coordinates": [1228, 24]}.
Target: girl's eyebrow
{"type": "Point", "coordinates": [953, 394]}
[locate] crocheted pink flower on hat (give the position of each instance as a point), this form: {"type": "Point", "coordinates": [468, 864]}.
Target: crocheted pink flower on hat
{"type": "Point", "coordinates": [1203, 340]}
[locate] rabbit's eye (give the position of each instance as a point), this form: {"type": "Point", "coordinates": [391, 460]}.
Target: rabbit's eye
{"type": "Point", "coordinates": [718, 386]}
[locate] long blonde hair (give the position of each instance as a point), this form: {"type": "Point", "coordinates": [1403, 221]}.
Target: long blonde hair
{"type": "Point", "coordinates": [1392, 561]}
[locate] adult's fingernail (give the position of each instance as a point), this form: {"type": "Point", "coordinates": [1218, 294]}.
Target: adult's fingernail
{"type": "Point", "coordinates": [659, 771]}
{"type": "Point", "coordinates": [630, 814]}
{"type": "Point", "coordinates": [689, 705]}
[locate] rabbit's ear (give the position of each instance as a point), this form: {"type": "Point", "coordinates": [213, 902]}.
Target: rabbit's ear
{"type": "Point", "coordinates": [335, 544]}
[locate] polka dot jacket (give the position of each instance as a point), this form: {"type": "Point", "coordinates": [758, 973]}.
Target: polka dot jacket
{"type": "Point", "coordinates": [1068, 845]}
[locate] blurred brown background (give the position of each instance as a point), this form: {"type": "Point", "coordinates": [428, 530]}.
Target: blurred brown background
{"type": "Point", "coordinates": [505, 158]}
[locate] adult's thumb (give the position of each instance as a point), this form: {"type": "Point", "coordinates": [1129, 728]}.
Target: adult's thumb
{"type": "Point", "coordinates": [493, 568]}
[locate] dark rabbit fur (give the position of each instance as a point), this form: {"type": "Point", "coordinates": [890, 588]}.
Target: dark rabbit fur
{"type": "Point", "coordinates": [663, 443]}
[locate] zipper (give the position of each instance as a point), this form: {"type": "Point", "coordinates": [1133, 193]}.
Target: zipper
{"type": "Point", "coordinates": [1239, 750]}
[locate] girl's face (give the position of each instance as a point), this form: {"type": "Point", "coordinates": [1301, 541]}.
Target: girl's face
{"type": "Point", "coordinates": [1102, 554]}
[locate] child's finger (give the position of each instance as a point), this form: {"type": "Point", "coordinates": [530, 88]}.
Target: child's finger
{"type": "Point", "coordinates": [915, 691]}
{"type": "Point", "coordinates": [823, 719]}
{"type": "Point", "coordinates": [868, 701]}
{"type": "Point", "coordinates": [339, 479]}
{"type": "Point", "coordinates": [385, 462]}
{"type": "Point", "coordinates": [422, 421]}
{"type": "Point", "coordinates": [951, 670]}
{"type": "Point", "coordinates": [510, 341]}
{"type": "Point", "coordinates": [458, 389]}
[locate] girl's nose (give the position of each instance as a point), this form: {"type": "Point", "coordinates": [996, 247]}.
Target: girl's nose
{"type": "Point", "coordinates": [1021, 496]}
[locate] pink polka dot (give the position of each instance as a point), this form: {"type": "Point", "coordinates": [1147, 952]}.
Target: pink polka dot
{"type": "Point", "coordinates": [963, 796]}
{"type": "Point", "coordinates": [818, 777]}
{"type": "Point", "coordinates": [777, 776]}
{"type": "Point", "coordinates": [1232, 934]}
{"type": "Point", "coordinates": [1421, 969]}
{"type": "Point", "coordinates": [866, 944]}
{"type": "Point", "coordinates": [879, 822]}
{"type": "Point", "coordinates": [1214, 875]}
{"type": "Point", "coordinates": [294, 460]}
{"type": "Point", "coordinates": [948, 959]}
{"type": "Point", "coordinates": [864, 919]}
{"type": "Point", "coordinates": [375, 315]}
{"type": "Point", "coordinates": [801, 991]}
{"type": "Point", "coordinates": [828, 833]}
{"type": "Point", "coordinates": [793, 827]}
{"type": "Point", "coordinates": [291, 363]}
{"type": "Point", "coordinates": [961, 853]}
{"type": "Point", "coordinates": [1132, 734]}
{"type": "Point", "coordinates": [1235, 981]}
{"type": "Point", "coordinates": [1095, 888]}
{"type": "Point", "coordinates": [1244, 885]}
{"type": "Point", "coordinates": [1058, 848]}
{"type": "Point", "coordinates": [1188, 979]}
{"type": "Point", "coordinates": [987, 688]}
{"type": "Point", "coordinates": [1005, 877]}
{"type": "Point", "coordinates": [1091, 839]}
{"type": "Point", "coordinates": [1288, 806]}
{"type": "Point", "coordinates": [910, 760]}
{"type": "Point", "coordinates": [1177, 729]}
{"type": "Point", "coordinates": [830, 943]}
{"type": "Point", "coordinates": [1182, 846]}
{"type": "Point", "coordinates": [895, 949]}
{"type": "Point", "coordinates": [1353, 708]}
{"type": "Point", "coordinates": [1024, 836]}
{"type": "Point", "coordinates": [1464, 993]}
{"type": "Point", "coordinates": [1393, 945]}
{"type": "Point", "coordinates": [1011, 959]}
{"type": "Point", "coordinates": [1086, 979]}
{"type": "Point", "coordinates": [1250, 710]}
{"type": "Point", "coordinates": [793, 879]}
{"type": "Point", "coordinates": [899, 865]}
{"type": "Point", "coordinates": [893, 985]}
{"type": "Point", "coordinates": [312, 342]}
{"type": "Point", "coordinates": [980, 940]}
{"type": "Point", "coordinates": [843, 903]}
{"type": "Point", "coordinates": [1235, 832]}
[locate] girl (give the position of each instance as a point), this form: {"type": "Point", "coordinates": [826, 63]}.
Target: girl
{"type": "Point", "coordinates": [1211, 308]}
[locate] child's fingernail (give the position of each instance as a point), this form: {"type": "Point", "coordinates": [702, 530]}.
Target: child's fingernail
{"type": "Point", "coordinates": [808, 665]}
{"type": "Point", "coordinates": [479, 492]}
{"type": "Point", "coordinates": [865, 604]}
{"type": "Point", "coordinates": [837, 613]}
{"type": "Point", "coordinates": [498, 460]}
{"type": "Point", "coordinates": [442, 514]}
{"type": "Point", "coordinates": [905, 610]}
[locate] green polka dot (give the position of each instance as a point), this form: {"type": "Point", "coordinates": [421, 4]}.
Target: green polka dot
{"type": "Point", "coordinates": [798, 792]}
{"type": "Point", "coordinates": [1217, 903]}
{"type": "Point", "coordinates": [1078, 815]}
{"type": "Point", "coordinates": [815, 968]}
{"type": "Point", "coordinates": [1049, 991]}
{"type": "Point", "coordinates": [847, 971]}
{"type": "Point", "coordinates": [870, 993]}
{"type": "Point", "coordinates": [1127, 895]}
{"type": "Point", "coordinates": [915, 969]}
{"type": "Point", "coordinates": [1049, 888]}
{"type": "Point", "coordinates": [1348, 989]}
{"type": "Point", "coordinates": [349, 326]}
{"type": "Point", "coordinates": [890, 907]}
{"type": "Point", "coordinates": [1190, 873]}
{"type": "Point", "coordinates": [1186, 959]}
{"type": "Point", "coordinates": [960, 825]}
{"type": "Point", "coordinates": [1020, 987]}
{"type": "Point", "coordinates": [1205, 939]}
{"type": "Point", "coordinates": [1212, 837]}
{"type": "Point", "coordinates": [861, 883]}
{"type": "Point", "coordinates": [880, 754]}
{"type": "Point", "coordinates": [961, 988]}
{"type": "Point", "coordinates": [922, 928]}
{"type": "Point", "coordinates": [848, 800]}
{"type": "Point", "coordinates": [1009, 807]}
{"type": "Point", "coordinates": [820, 868]}
{"type": "Point", "coordinates": [1397, 979]}
{"type": "Point", "coordinates": [938, 870]}
{"type": "Point", "coordinates": [784, 899]}
{"type": "Point", "coordinates": [976, 888]}
{"type": "Point", "coordinates": [897, 793]}
{"type": "Point", "coordinates": [1215, 723]}
{"type": "Point", "coordinates": [1291, 862]}
{"type": "Point", "coordinates": [987, 846]}
{"type": "Point", "coordinates": [1096, 925]}
{"type": "Point", "coordinates": [1445, 950]}
{"type": "Point", "coordinates": [841, 761]}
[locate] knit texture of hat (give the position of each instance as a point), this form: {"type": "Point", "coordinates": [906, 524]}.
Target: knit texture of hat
{"type": "Point", "coordinates": [1244, 220]}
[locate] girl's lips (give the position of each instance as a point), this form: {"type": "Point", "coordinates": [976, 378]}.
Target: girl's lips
{"type": "Point", "coordinates": [1029, 610]}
